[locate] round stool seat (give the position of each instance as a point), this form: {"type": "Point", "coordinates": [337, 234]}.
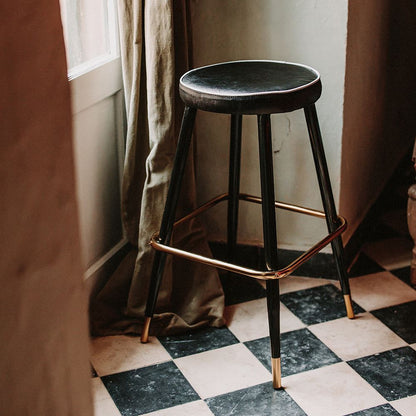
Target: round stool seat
{"type": "Point", "coordinates": [250, 87]}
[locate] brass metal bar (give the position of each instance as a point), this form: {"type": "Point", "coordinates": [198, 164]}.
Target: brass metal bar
{"type": "Point", "coordinates": [249, 198]}
{"type": "Point", "coordinates": [212, 262]}
{"type": "Point", "coordinates": [256, 274]}
{"type": "Point", "coordinates": [286, 271]}
{"type": "Point", "coordinates": [283, 205]}
{"type": "Point", "coordinates": [211, 203]}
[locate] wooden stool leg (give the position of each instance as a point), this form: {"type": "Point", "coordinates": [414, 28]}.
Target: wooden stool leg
{"type": "Point", "coordinates": [233, 185]}
{"type": "Point", "coordinates": [411, 221]}
{"type": "Point", "coordinates": [168, 218]}
{"type": "Point", "coordinates": [270, 241]}
{"type": "Point", "coordinates": [328, 202]}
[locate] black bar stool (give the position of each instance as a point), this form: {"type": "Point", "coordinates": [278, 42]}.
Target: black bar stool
{"type": "Point", "coordinates": [261, 88]}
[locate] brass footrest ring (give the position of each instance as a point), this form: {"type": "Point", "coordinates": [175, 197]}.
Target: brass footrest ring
{"type": "Point", "coordinates": [256, 274]}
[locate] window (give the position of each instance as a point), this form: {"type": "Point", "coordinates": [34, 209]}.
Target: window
{"type": "Point", "coordinates": [94, 72]}
{"type": "Point", "coordinates": [90, 34]}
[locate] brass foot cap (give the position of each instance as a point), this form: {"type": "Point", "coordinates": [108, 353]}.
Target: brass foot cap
{"type": "Point", "coordinates": [276, 373]}
{"type": "Point", "coordinates": [348, 306]}
{"type": "Point", "coordinates": [145, 332]}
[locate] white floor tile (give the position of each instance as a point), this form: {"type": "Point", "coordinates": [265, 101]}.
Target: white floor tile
{"type": "Point", "coordinates": [334, 390]}
{"type": "Point", "coordinates": [110, 355]}
{"type": "Point", "coordinates": [223, 370]}
{"type": "Point", "coordinates": [294, 283]}
{"type": "Point", "coordinates": [106, 408]}
{"type": "Point", "coordinates": [99, 392]}
{"type": "Point", "coordinates": [288, 320]}
{"type": "Point", "coordinates": [103, 403]}
{"type": "Point", "coordinates": [356, 338]}
{"type": "Point", "coordinates": [379, 290]}
{"type": "Point", "coordinates": [393, 253]}
{"type": "Point", "coordinates": [198, 408]}
{"type": "Point", "coordinates": [406, 406]}
{"type": "Point", "coordinates": [248, 321]}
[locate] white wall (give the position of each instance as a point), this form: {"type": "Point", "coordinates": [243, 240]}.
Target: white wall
{"type": "Point", "coordinates": [98, 120]}
{"type": "Point", "coordinates": [99, 132]}
{"type": "Point", "coordinates": [305, 31]}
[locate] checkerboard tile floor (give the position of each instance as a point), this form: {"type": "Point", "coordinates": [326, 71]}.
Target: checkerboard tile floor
{"type": "Point", "coordinates": [330, 365]}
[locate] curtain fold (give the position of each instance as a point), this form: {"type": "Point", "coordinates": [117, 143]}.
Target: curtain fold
{"type": "Point", "coordinates": [155, 51]}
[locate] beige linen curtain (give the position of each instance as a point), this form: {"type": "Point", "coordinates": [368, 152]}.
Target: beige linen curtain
{"type": "Point", "coordinates": [155, 51]}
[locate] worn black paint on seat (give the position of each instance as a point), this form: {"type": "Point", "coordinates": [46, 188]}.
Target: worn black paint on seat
{"type": "Point", "coordinates": [251, 87]}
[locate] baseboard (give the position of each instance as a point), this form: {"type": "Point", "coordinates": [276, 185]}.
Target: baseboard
{"type": "Point", "coordinates": [98, 274]}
